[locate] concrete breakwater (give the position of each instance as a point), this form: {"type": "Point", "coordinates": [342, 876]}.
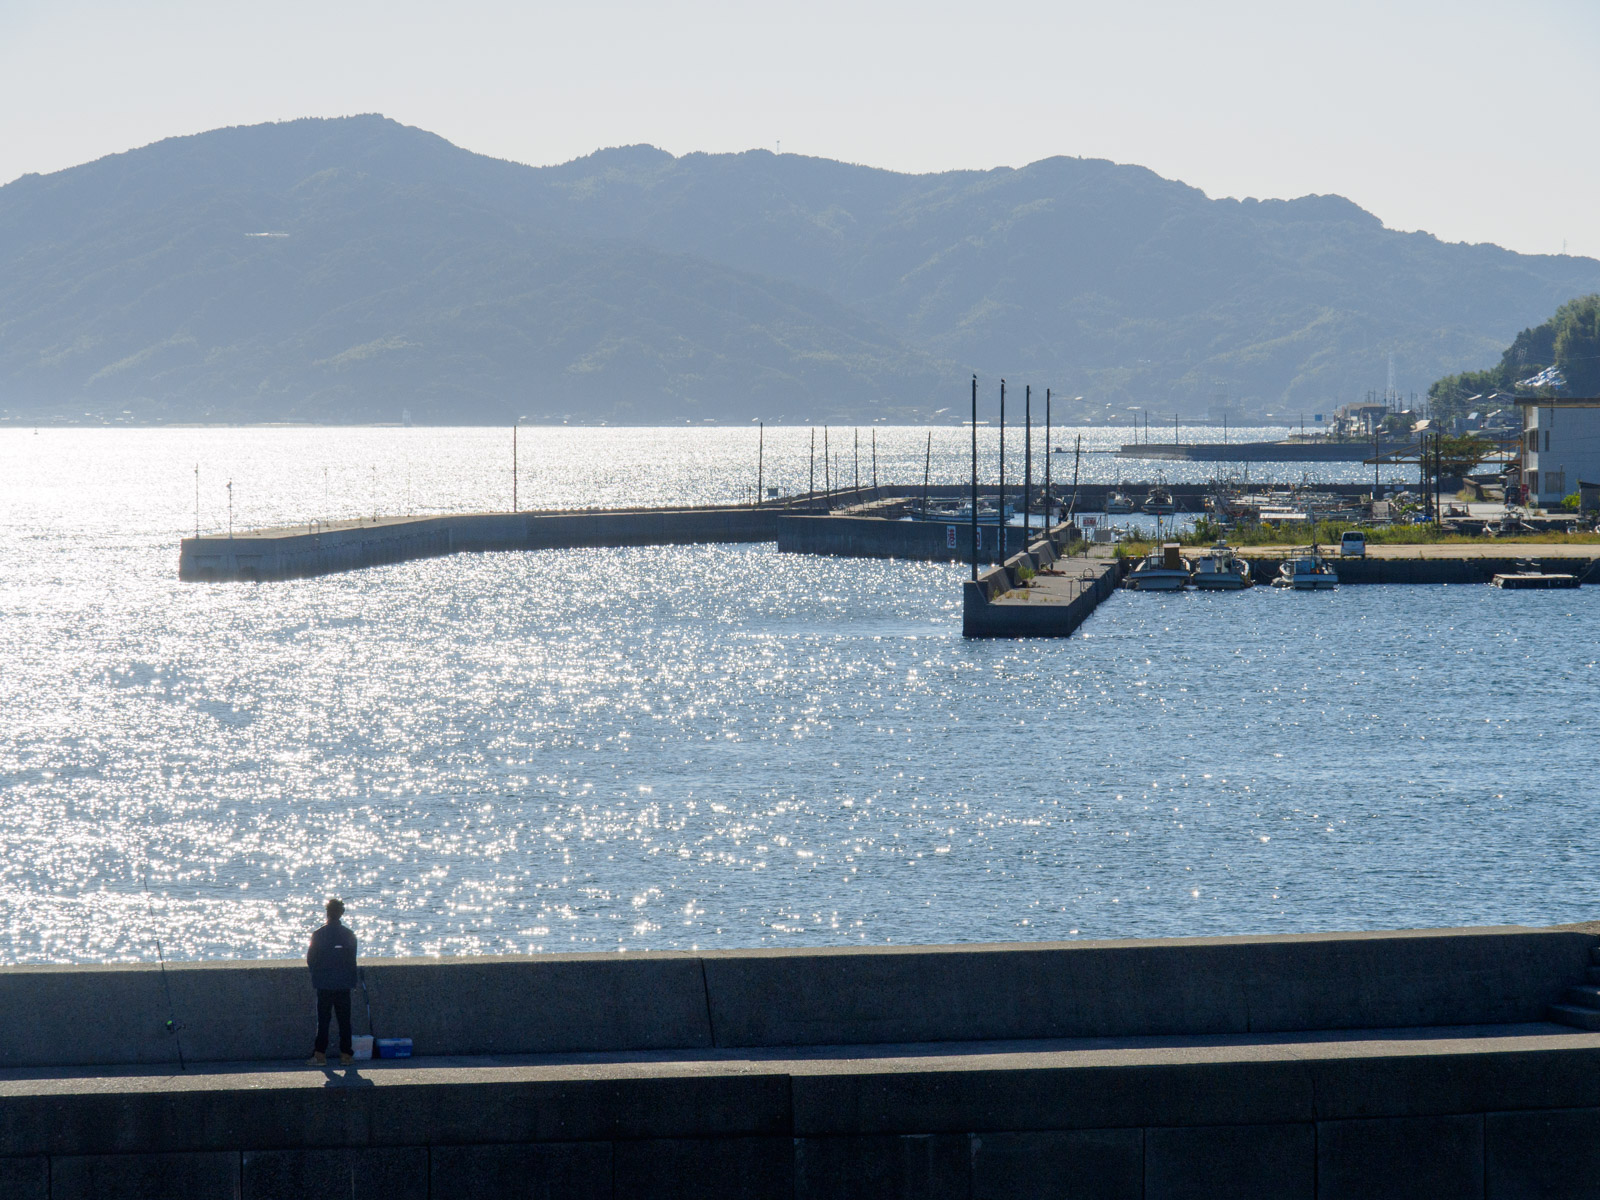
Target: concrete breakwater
{"type": "Point", "coordinates": [299, 551]}
{"type": "Point", "coordinates": [1307, 1066]}
{"type": "Point", "coordinates": [1039, 593]}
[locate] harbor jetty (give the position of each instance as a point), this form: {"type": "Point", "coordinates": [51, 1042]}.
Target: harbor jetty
{"type": "Point", "coordinates": [1308, 450]}
{"type": "Point", "coordinates": [1320, 1065]}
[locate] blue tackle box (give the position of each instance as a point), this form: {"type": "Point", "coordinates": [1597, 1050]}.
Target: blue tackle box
{"type": "Point", "coordinates": [392, 1047]}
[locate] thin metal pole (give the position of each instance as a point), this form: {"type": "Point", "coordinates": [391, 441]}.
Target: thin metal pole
{"type": "Point", "coordinates": [1077, 453]}
{"type": "Point", "coordinates": [858, 463]}
{"type": "Point", "coordinates": [974, 476]}
{"type": "Point", "coordinates": [1047, 453]}
{"type": "Point", "coordinates": [513, 468]}
{"type": "Point", "coordinates": [812, 502]}
{"type": "Point", "coordinates": [230, 508]}
{"type": "Point", "coordinates": [1000, 509]}
{"type": "Point", "coordinates": [827, 473]}
{"type": "Point", "coordinates": [197, 499]}
{"type": "Point", "coordinates": [761, 460]}
{"type": "Point", "coordinates": [927, 466]}
{"type": "Point", "coordinates": [874, 462]}
{"type": "Point", "coordinates": [1027, 466]}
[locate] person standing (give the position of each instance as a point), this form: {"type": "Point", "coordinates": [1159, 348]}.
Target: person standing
{"type": "Point", "coordinates": [332, 959]}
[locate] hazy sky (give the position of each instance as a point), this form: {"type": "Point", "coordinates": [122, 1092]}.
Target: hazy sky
{"type": "Point", "coordinates": [1470, 120]}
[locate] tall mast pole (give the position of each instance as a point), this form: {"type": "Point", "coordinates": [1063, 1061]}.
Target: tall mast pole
{"type": "Point", "coordinates": [1047, 453]}
{"type": "Point", "coordinates": [761, 460]}
{"type": "Point", "coordinates": [813, 488]}
{"type": "Point", "coordinates": [927, 467]}
{"type": "Point", "coordinates": [1000, 509]}
{"type": "Point", "coordinates": [1027, 466]}
{"type": "Point", "coordinates": [974, 476]}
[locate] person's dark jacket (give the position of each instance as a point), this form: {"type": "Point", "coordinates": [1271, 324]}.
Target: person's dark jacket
{"type": "Point", "coordinates": [332, 958]}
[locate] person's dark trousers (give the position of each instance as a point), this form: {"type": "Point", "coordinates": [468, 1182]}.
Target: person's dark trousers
{"type": "Point", "coordinates": [328, 1003]}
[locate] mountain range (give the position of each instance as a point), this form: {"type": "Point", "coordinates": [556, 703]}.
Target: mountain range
{"type": "Point", "coordinates": [355, 269]}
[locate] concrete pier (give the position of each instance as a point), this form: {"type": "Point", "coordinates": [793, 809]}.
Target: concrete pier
{"type": "Point", "coordinates": [1441, 563]}
{"type": "Point", "coordinates": [1039, 594]}
{"type": "Point", "coordinates": [1331, 1065]}
{"type": "Point", "coordinates": [303, 550]}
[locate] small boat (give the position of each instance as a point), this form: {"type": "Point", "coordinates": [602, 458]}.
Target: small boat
{"type": "Point", "coordinates": [1221, 570]}
{"type": "Point", "coordinates": [1160, 503]}
{"type": "Point", "coordinates": [1117, 502]}
{"type": "Point", "coordinates": [1162, 570]}
{"type": "Point", "coordinates": [1307, 571]}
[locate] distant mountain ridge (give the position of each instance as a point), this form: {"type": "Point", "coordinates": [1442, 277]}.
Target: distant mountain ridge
{"type": "Point", "coordinates": [352, 268]}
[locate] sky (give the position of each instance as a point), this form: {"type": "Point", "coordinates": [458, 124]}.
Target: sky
{"type": "Point", "coordinates": [1465, 119]}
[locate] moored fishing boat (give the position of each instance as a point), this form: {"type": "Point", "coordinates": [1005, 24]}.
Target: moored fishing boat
{"type": "Point", "coordinates": [1162, 570]}
{"type": "Point", "coordinates": [1221, 570]}
{"type": "Point", "coordinates": [1307, 571]}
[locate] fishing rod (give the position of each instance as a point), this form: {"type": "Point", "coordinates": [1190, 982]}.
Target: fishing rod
{"type": "Point", "coordinates": [172, 1025]}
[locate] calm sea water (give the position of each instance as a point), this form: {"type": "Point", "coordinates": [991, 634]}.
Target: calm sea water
{"type": "Point", "coordinates": [715, 747]}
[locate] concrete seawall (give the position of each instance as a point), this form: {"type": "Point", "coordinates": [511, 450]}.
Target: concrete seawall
{"type": "Point", "coordinates": [241, 1011]}
{"type": "Point", "coordinates": [304, 551]}
{"type": "Point", "coordinates": [1311, 1066]}
{"type": "Point", "coordinates": [1430, 570]}
{"type": "Point", "coordinates": [875, 537]}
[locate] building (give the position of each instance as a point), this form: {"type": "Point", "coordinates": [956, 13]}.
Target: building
{"type": "Point", "coordinates": [1560, 447]}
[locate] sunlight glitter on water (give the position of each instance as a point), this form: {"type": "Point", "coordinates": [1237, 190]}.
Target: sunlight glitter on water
{"type": "Point", "coordinates": [694, 746]}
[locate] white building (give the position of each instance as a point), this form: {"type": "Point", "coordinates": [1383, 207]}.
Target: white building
{"type": "Point", "coordinates": [1560, 447]}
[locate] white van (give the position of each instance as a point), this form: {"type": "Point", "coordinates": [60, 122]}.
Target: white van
{"type": "Point", "coordinates": [1353, 544]}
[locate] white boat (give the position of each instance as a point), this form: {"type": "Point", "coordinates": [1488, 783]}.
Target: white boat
{"type": "Point", "coordinates": [1307, 571]}
{"type": "Point", "coordinates": [1117, 503]}
{"type": "Point", "coordinates": [1162, 570]}
{"type": "Point", "coordinates": [1221, 570]}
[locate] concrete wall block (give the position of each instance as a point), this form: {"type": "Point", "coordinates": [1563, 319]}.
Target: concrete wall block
{"type": "Point", "coordinates": [602, 1107]}
{"type": "Point", "coordinates": [211, 1176]}
{"type": "Point", "coordinates": [1228, 1162]}
{"type": "Point", "coordinates": [556, 1171]}
{"type": "Point", "coordinates": [399, 1173]}
{"type": "Point", "coordinates": [825, 996]}
{"type": "Point", "coordinates": [1552, 1155]}
{"type": "Point", "coordinates": [1080, 1164]}
{"type": "Point", "coordinates": [700, 1168]}
{"type": "Point", "coordinates": [541, 1004]}
{"type": "Point", "coordinates": [1042, 1098]}
{"type": "Point", "coordinates": [1235, 985]}
{"type": "Point", "coordinates": [1428, 1083]}
{"type": "Point", "coordinates": [83, 1015]}
{"type": "Point", "coordinates": [183, 1119]}
{"type": "Point", "coordinates": [910, 1167]}
{"type": "Point", "coordinates": [1401, 1158]}
{"type": "Point", "coordinates": [25, 1178]}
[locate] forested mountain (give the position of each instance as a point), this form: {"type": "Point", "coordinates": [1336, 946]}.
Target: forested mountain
{"type": "Point", "coordinates": [353, 268]}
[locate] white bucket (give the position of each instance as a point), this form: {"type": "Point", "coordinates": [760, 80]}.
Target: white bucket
{"type": "Point", "coordinates": [362, 1046]}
